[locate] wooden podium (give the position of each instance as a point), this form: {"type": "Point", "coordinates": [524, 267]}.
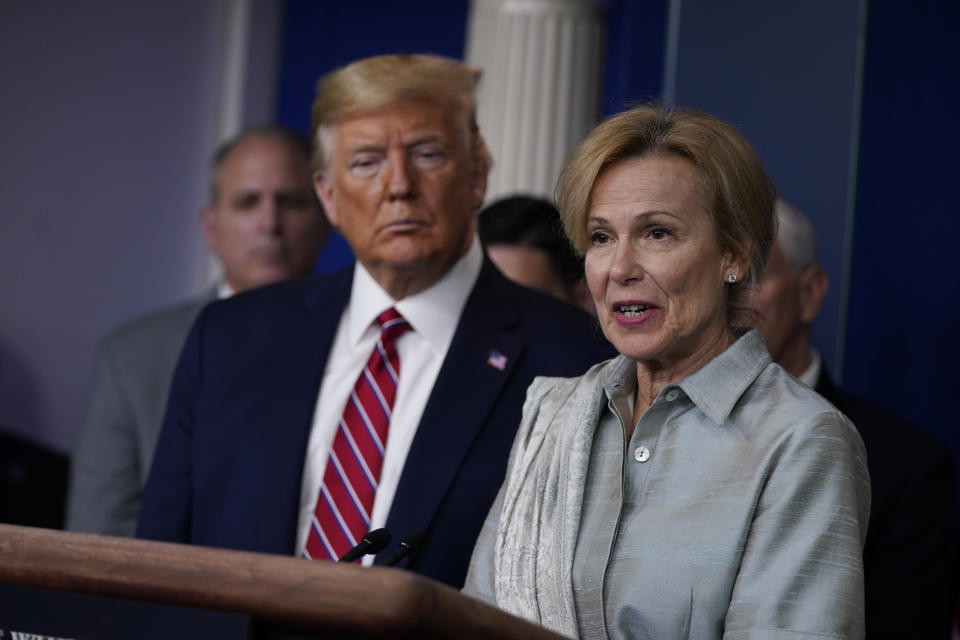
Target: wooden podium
{"type": "Point", "coordinates": [262, 595]}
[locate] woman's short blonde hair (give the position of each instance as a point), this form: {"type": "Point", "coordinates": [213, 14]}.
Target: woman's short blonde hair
{"type": "Point", "coordinates": [374, 83]}
{"type": "Point", "coordinates": [739, 196]}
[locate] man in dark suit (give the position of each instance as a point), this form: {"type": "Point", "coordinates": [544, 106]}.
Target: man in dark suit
{"type": "Point", "coordinates": [909, 553]}
{"type": "Point", "coordinates": [263, 223]}
{"type": "Point", "coordinates": [260, 450]}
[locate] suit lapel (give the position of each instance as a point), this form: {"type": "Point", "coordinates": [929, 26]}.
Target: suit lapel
{"type": "Point", "coordinates": [825, 386]}
{"type": "Point", "coordinates": [292, 372]}
{"type": "Point", "coordinates": [464, 394]}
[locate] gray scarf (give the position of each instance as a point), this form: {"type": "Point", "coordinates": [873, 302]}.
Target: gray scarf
{"type": "Point", "coordinates": [543, 494]}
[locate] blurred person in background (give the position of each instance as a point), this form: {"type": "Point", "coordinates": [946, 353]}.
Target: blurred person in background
{"type": "Point", "coordinates": [264, 224]}
{"type": "Point", "coordinates": [909, 558]}
{"type": "Point", "coordinates": [524, 237]}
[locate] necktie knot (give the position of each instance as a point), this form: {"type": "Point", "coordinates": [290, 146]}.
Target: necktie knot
{"type": "Point", "coordinates": [392, 325]}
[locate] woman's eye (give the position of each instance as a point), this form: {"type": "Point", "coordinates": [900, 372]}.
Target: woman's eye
{"type": "Point", "coordinates": [598, 237]}
{"type": "Point", "coordinates": [659, 233]}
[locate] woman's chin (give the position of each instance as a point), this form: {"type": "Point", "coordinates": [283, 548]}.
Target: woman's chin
{"type": "Point", "coordinates": [639, 350]}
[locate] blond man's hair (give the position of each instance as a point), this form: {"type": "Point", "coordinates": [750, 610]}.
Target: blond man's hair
{"type": "Point", "coordinates": [374, 83]}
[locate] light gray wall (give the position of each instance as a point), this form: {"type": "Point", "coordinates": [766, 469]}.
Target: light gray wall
{"type": "Point", "coordinates": [788, 75]}
{"type": "Point", "coordinates": [109, 113]}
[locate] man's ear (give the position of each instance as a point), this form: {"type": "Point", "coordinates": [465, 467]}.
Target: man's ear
{"type": "Point", "coordinates": [323, 186]}
{"type": "Point", "coordinates": [814, 284]}
{"type": "Point", "coordinates": [478, 183]}
{"type": "Point", "coordinates": [208, 223]}
{"type": "Point", "coordinates": [479, 170]}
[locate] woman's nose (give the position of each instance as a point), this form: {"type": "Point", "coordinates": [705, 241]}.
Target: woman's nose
{"type": "Point", "coordinates": [625, 262]}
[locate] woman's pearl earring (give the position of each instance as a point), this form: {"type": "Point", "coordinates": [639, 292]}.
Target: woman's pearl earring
{"type": "Point", "coordinates": [732, 278]}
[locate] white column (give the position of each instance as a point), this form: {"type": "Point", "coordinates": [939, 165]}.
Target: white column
{"type": "Point", "coordinates": [542, 64]}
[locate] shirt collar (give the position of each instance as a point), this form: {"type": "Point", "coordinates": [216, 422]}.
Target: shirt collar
{"type": "Point", "coordinates": [620, 377]}
{"type": "Point", "coordinates": [811, 374]}
{"type": "Point", "coordinates": [716, 387]}
{"type": "Point", "coordinates": [432, 313]}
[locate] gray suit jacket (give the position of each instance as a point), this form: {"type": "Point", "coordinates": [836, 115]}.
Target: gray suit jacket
{"type": "Point", "coordinates": [115, 443]}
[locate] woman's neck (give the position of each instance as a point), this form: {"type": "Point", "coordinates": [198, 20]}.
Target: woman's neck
{"type": "Point", "coordinates": [653, 375]}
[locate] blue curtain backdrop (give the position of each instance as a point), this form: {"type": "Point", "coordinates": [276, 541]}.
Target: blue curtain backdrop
{"type": "Point", "coordinates": [902, 341]}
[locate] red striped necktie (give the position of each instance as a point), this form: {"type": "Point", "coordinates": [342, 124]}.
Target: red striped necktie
{"type": "Point", "coordinates": [345, 502]}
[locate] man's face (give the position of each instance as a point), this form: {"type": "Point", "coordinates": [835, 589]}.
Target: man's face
{"type": "Point", "coordinates": [402, 186]}
{"type": "Point", "coordinates": [265, 225]}
{"type": "Point", "coordinates": [528, 266]}
{"type": "Point", "coordinates": [778, 304]}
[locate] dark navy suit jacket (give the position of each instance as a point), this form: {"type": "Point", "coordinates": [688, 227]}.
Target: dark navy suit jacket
{"type": "Point", "coordinates": [230, 458]}
{"type": "Point", "coordinates": [909, 557]}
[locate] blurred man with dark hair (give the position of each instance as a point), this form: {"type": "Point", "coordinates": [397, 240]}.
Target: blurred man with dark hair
{"type": "Point", "coordinates": [264, 224]}
{"type": "Point", "coordinates": [524, 238]}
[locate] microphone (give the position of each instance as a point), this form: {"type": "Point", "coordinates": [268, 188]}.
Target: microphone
{"type": "Point", "coordinates": [373, 542]}
{"type": "Point", "coordinates": [407, 547]}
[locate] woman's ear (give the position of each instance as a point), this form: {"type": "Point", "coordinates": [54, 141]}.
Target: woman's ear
{"type": "Point", "coordinates": [733, 265]}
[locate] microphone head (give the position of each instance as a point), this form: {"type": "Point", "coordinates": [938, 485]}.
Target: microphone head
{"type": "Point", "coordinates": [408, 547]}
{"type": "Point", "coordinates": [413, 540]}
{"type": "Point", "coordinates": [376, 540]}
{"type": "Point", "coordinates": [372, 542]}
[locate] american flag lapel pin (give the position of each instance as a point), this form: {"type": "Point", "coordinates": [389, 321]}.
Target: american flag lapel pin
{"type": "Point", "coordinates": [497, 360]}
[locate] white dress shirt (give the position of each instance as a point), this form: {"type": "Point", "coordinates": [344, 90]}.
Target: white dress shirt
{"type": "Point", "coordinates": [811, 374]}
{"type": "Point", "coordinates": [433, 315]}
{"type": "Point", "coordinates": [224, 290]}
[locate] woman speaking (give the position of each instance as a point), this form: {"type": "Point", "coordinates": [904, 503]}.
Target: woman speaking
{"type": "Point", "coordinates": [689, 488]}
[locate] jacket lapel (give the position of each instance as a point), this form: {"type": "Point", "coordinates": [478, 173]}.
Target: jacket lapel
{"type": "Point", "coordinates": [479, 363]}
{"type": "Point", "coordinates": [291, 382]}
{"type": "Point", "coordinates": [825, 386]}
